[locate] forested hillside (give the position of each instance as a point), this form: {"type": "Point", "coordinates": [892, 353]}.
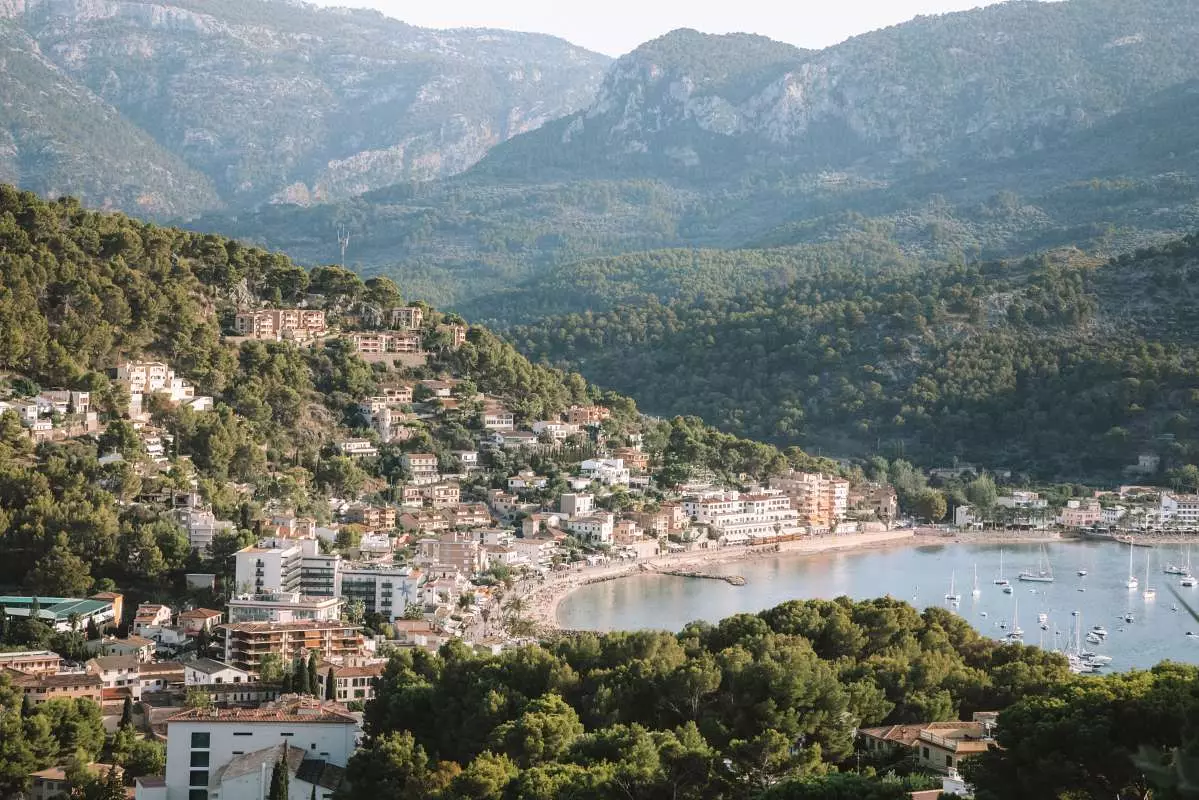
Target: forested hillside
{"type": "Point", "coordinates": [82, 291]}
{"type": "Point", "coordinates": [758, 706]}
{"type": "Point", "coordinates": [1063, 365]}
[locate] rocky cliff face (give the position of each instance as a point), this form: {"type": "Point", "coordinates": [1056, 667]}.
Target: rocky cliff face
{"type": "Point", "coordinates": [984, 84]}
{"type": "Point", "coordinates": [267, 101]}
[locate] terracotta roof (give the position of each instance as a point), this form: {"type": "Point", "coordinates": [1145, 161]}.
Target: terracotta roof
{"type": "Point", "coordinates": [199, 613]}
{"type": "Point", "coordinates": [290, 708]}
{"type": "Point", "coordinates": [901, 734]}
{"type": "Point", "coordinates": [339, 671]}
{"type": "Point", "coordinates": [61, 680]}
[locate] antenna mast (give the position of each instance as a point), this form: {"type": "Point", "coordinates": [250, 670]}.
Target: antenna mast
{"type": "Point", "coordinates": [343, 241]}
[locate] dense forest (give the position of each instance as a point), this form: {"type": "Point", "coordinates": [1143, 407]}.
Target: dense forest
{"type": "Point", "coordinates": [1059, 366]}
{"type": "Point", "coordinates": [80, 291]}
{"type": "Point", "coordinates": [756, 706]}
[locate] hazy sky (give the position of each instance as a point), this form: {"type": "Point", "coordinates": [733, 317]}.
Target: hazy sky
{"type": "Point", "coordinates": [617, 26]}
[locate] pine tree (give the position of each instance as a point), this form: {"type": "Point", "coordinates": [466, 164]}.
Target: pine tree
{"type": "Point", "coordinates": [113, 787]}
{"type": "Point", "coordinates": [126, 714]}
{"type": "Point", "coordinates": [286, 684]}
{"type": "Point", "coordinates": [312, 681]}
{"type": "Point", "coordinates": [35, 608]}
{"type": "Point", "coordinates": [279, 778]}
{"type": "Point", "coordinates": [202, 642]}
{"type": "Point", "coordinates": [93, 630]}
{"type": "Point", "coordinates": [330, 686]}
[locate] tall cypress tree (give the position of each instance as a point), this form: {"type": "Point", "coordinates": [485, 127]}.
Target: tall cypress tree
{"type": "Point", "coordinates": [279, 778]}
{"type": "Point", "coordinates": [313, 683]}
{"type": "Point", "coordinates": [299, 677]}
{"type": "Point", "coordinates": [126, 714]}
{"type": "Point", "coordinates": [330, 686]}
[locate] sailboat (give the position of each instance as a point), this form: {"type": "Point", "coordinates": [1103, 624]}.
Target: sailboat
{"type": "Point", "coordinates": [1043, 572]}
{"type": "Point", "coordinates": [1149, 593]}
{"type": "Point", "coordinates": [1187, 578]}
{"type": "Point", "coordinates": [1133, 583]}
{"type": "Point", "coordinates": [975, 592]}
{"type": "Point", "coordinates": [953, 596]}
{"type": "Point", "coordinates": [1016, 634]}
{"type": "Point", "coordinates": [1001, 581]}
{"type": "Point", "coordinates": [1173, 569]}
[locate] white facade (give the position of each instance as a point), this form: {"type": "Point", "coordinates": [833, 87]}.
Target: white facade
{"type": "Point", "coordinates": [206, 671]}
{"type": "Point", "coordinates": [385, 590]}
{"type": "Point", "coordinates": [268, 569]}
{"type": "Point", "coordinates": [1180, 509]}
{"type": "Point", "coordinates": [282, 607]}
{"type": "Point", "coordinates": [608, 471]}
{"type": "Point", "coordinates": [576, 505]}
{"type": "Point", "coordinates": [201, 744]}
{"type": "Point", "coordinates": [760, 515]}
{"type": "Point", "coordinates": [596, 528]}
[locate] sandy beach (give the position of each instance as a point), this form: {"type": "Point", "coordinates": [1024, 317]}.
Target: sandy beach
{"type": "Point", "coordinates": [543, 597]}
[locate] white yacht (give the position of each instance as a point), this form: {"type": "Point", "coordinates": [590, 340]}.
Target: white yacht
{"type": "Point", "coordinates": [1043, 572]}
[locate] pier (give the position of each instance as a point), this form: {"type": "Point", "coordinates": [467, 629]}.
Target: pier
{"type": "Point", "coordinates": [734, 580]}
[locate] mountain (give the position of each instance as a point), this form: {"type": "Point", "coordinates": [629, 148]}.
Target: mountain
{"type": "Point", "coordinates": [219, 104]}
{"type": "Point", "coordinates": [991, 133]}
{"type": "Point", "coordinates": [987, 84]}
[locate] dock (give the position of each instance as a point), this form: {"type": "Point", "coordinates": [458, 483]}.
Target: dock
{"type": "Point", "coordinates": [733, 580]}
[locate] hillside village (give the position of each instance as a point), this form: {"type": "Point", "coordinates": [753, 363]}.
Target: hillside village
{"type": "Point", "coordinates": [231, 520]}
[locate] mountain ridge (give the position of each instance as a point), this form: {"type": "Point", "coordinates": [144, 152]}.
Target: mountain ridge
{"type": "Point", "coordinates": [276, 102]}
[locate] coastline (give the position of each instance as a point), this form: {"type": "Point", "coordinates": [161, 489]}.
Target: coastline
{"type": "Point", "coordinates": [543, 599]}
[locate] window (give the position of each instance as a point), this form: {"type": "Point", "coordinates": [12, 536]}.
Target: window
{"type": "Point", "coordinates": [197, 794]}
{"type": "Point", "coordinates": [199, 758]}
{"type": "Point", "coordinates": [949, 761]}
{"type": "Point", "coordinates": [926, 752]}
{"type": "Point", "coordinates": [243, 733]}
{"type": "Point", "coordinates": [198, 777]}
{"type": "Point", "coordinates": [287, 734]}
{"type": "Point", "coordinates": [201, 739]}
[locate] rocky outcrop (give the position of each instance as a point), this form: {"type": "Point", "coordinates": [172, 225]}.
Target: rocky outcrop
{"type": "Point", "coordinates": [276, 101]}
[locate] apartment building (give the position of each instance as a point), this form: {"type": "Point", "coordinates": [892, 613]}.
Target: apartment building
{"type": "Point", "coordinates": [383, 589]}
{"type": "Point", "coordinates": [539, 549]}
{"type": "Point", "coordinates": [282, 607]}
{"type": "Point", "coordinates": [374, 518]}
{"type": "Point", "coordinates": [821, 501]}
{"type": "Point", "coordinates": [461, 551]}
{"type": "Point", "coordinates": [467, 515]}
{"type": "Point", "coordinates": [373, 343]}
{"type": "Point", "coordinates": [740, 518]}
{"type": "Point", "coordinates": [1085, 513]}
{"type": "Point", "coordinates": [229, 753]}
{"type": "Point", "coordinates": [280, 323]}
{"type": "Point", "coordinates": [441, 495]}
{"type": "Point", "coordinates": [70, 685]}
{"type": "Point", "coordinates": [422, 467]}
{"type": "Point", "coordinates": [594, 528]}
{"type": "Point", "coordinates": [268, 568]}
{"type": "Point", "coordinates": [201, 526]}
{"type": "Point", "coordinates": [32, 662]}
{"type": "Point", "coordinates": [408, 318]}
{"type": "Point", "coordinates": [155, 377]}
{"type": "Point", "coordinates": [424, 521]}
{"type": "Point", "coordinates": [354, 679]}
{"type": "Point", "coordinates": [245, 643]}
{"type": "Point", "coordinates": [576, 504]}
{"type": "Point", "coordinates": [1180, 509]}
{"type": "Point", "coordinates": [636, 460]}
{"type": "Point", "coordinates": [587, 415]}
{"type": "Point", "coordinates": [151, 615]}
{"type": "Point", "coordinates": [455, 333]}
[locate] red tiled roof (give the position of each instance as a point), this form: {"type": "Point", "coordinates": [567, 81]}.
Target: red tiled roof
{"type": "Point", "coordinates": [287, 709]}
{"type": "Point", "coordinates": [199, 613]}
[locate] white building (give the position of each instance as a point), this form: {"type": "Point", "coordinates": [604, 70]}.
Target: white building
{"type": "Point", "coordinates": [558, 431]}
{"type": "Point", "coordinates": [740, 518]}
{"type": "Point", "coordinates": [282, 607]}
{"type": "Point", "coordinates": [228, 754]}
{"type": "Point", "coordinates": [595, 528]}
{"type": "Point", "coordinates": [268, 569]}
{"type": "Point", "coordinates": [201, 526]}
{"type": "Point", "coordinates": [1181, 510]}
{"type": "Point", "coordinates": [577, 505]}
{"type": "Point", "coordinates": [358, 448]}
{"type": "Point", "coordinates": [608, 471]}
{"type": "Point", "coordinates": [208, 671]}
{"type": "Point", "coordinates": [385, 590]}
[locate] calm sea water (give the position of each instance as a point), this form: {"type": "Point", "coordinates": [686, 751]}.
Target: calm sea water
{"type": "Point", "coordinates": [921, 575]}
